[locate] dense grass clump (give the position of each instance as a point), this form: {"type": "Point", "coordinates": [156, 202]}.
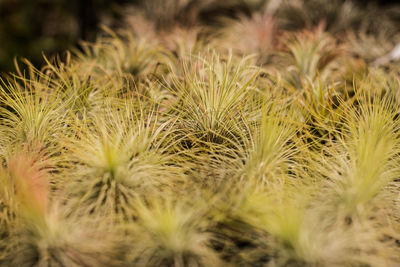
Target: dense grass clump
{"type": "Point", "coordinates": [193, 146]}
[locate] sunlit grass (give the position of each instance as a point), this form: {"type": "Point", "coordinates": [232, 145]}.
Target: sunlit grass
{"type": "Point", "coordinates": [260, 141]}
{"type": "Point", "coordinates": [115, 157]}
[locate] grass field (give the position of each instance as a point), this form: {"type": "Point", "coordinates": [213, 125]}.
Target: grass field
{"type": "Point", "coordinates": [267, 137]}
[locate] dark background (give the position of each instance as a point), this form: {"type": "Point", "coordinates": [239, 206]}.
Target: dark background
{"type": "Point", "coordinates": [31, 28]}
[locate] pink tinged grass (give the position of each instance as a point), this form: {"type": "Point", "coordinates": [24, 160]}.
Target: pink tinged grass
{"type": "Point", "coordinates": [31, 183]}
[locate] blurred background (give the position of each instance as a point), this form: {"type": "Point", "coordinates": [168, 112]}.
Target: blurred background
{"type": "Point", "coordinates": [29, 28]}
{"type": "Point", "coordinates": [33, 28]}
